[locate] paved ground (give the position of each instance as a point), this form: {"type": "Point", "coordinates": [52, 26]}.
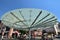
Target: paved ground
{"type": "Point", "coordinates": [57, 39]}
{"type": "Point", "coordinates": [32, 39]}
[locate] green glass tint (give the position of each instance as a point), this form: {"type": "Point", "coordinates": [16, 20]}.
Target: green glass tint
{"type": "Point", "coordinates": [28, 18]}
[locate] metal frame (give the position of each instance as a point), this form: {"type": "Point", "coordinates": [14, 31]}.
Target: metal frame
{"type": "Point", "coordinates": [40, 23]}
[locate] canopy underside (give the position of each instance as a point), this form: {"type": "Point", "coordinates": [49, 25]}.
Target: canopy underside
{"type": "Point", "coordinates": [29, 18]}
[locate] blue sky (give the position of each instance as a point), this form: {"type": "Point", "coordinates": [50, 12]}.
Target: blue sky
{"type": "Point", "coordinates": [49, 5]}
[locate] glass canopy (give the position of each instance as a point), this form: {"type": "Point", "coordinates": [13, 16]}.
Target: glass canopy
{"type": "Point", "coordinates": [29, 18]}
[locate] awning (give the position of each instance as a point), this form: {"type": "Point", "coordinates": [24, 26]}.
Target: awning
{"type": "Point", "coordinates": [29, 18]}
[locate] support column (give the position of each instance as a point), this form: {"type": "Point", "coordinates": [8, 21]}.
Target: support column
{"type": "Point", "coordinates": [10, 33]}
{"type": "Point", "coordinates": [29, 34]}
{"type": "Point", "coordinates": [56, 28]}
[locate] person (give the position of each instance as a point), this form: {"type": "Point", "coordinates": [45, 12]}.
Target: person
{"type": "Point", "coordinates": [2, 28]}
{"type": "Point", "coordinates": [15, 34]}
{"type": "Point", "coordinates": [43, 31]}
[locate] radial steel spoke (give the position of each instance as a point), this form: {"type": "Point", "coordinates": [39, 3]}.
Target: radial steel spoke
{"type": "Point", "coordinates": [43, 23]}
{"type": "Point", "coordinates": [42, 18]}
{"type": "Point", "coordinates": [48, 19]}
{"type": "Point", "coordinates": [30, 14]}
{"type": "Point", "coordinates": [36, 18]}
{"type": "Point", "coordinates": [22, 15]}
{"type": "Point", "coordinates": [17, 18]}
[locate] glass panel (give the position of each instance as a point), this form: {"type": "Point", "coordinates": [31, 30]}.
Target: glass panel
{"type": "Point", "coordinates": [23, 18]}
